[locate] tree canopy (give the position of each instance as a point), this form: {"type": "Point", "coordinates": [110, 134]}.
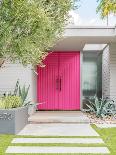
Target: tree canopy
{"type": "Point", "coordinates": [106, 7]}
{"type": "Point", "coordinates": [28, 28]}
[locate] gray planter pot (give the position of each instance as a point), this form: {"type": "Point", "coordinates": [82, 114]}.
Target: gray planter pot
{"type": "Point", "coordinates": [31, 109]}
{"type": "Point", "coordinates": [13, 120]}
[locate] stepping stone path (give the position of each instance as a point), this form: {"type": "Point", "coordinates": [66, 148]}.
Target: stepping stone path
{"type": "Point", "coordinates": [58, 140]}
{"type": "Point", "coordinates": [58, 149]}
{"type": "Point", "coordinates": [58, 130]}
{"type": "Point", "coordinates": [36, 149]}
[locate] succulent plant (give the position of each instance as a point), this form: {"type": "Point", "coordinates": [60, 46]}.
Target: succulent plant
{"type": "Point", "coordinates": [101, 107]}
{"type": "Point", "coordinates": [16, 98]}
{"type": "Point", "coordinates": [23, 93]}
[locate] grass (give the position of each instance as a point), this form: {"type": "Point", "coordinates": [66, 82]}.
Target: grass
{"type": "Point", "coordinates": [108, 135]}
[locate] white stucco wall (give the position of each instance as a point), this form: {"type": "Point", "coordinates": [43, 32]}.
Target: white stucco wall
{"type": "Point", "coordinates": [9, 75]}
{"type": "Point", "coordinates": [109, 72]}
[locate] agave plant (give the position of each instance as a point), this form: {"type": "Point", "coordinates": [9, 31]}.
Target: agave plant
{"type": "Point", "coordinates": [23, 93]}
{"type": "Point", "coordinates": [101, 107]}
{"type": "Point", "coordinates": [15, 92]}
{"type": "Point", "coordinates": [16, 88]}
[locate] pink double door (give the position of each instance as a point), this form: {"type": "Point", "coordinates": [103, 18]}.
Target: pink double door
{"type": "Point", "coordinates": [58, 84]}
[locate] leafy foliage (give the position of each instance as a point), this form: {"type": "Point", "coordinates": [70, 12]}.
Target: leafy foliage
{"type": "Point", "coordinates": [28, 28]}
{"type": "Point", "coordinates": [101, 107]}
{"type": "Point", "coordinates": [9, 102]}
{"type": "Point", "coordinates": [106, 7]}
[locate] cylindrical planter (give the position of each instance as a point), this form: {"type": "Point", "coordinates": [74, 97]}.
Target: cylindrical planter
{"type": "Point", "coordinates": [12, 121]}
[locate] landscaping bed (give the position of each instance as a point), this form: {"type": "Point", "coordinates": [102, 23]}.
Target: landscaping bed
{"type": "Point", "coordinates": [99, 120]}
{"type": "Point", "coordinates": [14, 110]}
{"type": "Point", "coordinates": [100, 110]}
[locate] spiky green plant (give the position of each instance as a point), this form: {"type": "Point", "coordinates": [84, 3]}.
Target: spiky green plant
{"type": "Point", "coordinates": [16, 88]}
{"type": "Point", "coordinates": [23, 93]}
{"type": "Point", "coordinates": [101, 107]}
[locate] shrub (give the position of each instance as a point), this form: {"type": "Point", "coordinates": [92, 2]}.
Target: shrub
{"type": "Point", "coordinates": [101, 107]}
{"type": "Point", "coordinates": [9, 102]}
{"type": "Point", "coordinates": [2, 105]}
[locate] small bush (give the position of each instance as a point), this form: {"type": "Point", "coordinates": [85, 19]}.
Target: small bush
{"type": "Point", "coordinates": [2, 105]}
{"type": "Point", "coordinates": [10, 102]}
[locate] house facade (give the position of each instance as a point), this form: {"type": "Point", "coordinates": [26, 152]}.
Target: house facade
{"type": "Point", "coordinates": [80, 65]}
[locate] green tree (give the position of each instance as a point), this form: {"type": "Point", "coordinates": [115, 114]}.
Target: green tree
{"type": "Point", "coordinates": [106, 7]}
{"type": "Point", "coordinates": [28, 28]}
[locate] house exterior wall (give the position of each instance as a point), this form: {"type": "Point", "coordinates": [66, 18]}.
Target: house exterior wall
{"type": "Point", "coordinates": [109, 72]}
{"type": "Point", "coordinates": [106, 73]}
{"type": "Point", "coordinates": [11, 73]}
{"type": "Point", "coordinates": [112, 49]}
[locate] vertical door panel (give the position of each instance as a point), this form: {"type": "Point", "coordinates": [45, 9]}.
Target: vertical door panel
{"type": "Point", "coordinates": [47, 87]}
{"type": "Point", "coordinates": [69, 73]}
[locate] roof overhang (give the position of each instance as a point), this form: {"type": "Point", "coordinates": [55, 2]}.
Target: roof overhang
{"type": "Point", "coordinates": [76, 37]}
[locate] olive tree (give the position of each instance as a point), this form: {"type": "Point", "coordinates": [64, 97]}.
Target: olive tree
{"type": "Point", "coordinates": [28, 28]}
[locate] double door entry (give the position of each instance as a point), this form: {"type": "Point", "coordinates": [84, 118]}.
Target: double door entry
{"type": "Point", "coordinates": [58, 83]}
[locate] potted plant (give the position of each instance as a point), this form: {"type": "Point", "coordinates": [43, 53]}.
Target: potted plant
{"type": "Point", "coordinates": [13, 115]}
{"type": "Point", "coordinates": [14, 110]}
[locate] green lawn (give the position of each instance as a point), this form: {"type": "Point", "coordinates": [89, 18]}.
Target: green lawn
{"type": "Point", "coordinates": [108, 135]}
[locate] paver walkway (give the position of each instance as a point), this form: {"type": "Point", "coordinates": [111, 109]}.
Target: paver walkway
{"type": "Point", "coordinates": [67, 145]}
{"type": "Point", "coordinates": [58, 129]}
{"type": "Point", "coordinates": [59, 117]}
{"type": "Point", "coordinates": [38, 149]}
{"type": "Point", "coordinates": [58, 140]}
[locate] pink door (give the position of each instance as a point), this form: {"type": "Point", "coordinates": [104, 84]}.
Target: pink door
{"type": "Point", "coordinates": [59, 82]}
{"type": "Point", "coordinates": [47, 93]}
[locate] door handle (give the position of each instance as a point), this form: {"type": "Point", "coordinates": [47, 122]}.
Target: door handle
{"type": "Point", "coordinates": [60, 84]}
{"type": "Point", "coordinates": [57, 84]}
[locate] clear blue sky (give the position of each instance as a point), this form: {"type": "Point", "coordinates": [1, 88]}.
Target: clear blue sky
{"type": "Point", "coordinates": [88, 16]}
{"type": "Point", "coordinates": [87, 8]}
